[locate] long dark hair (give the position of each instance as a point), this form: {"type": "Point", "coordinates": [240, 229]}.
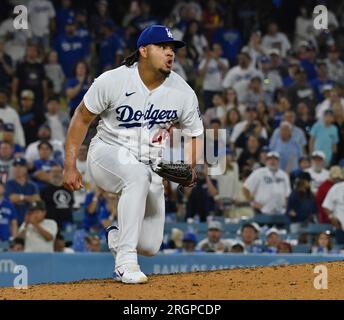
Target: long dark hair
{"type": "Point", "coordinates": [131, 59]}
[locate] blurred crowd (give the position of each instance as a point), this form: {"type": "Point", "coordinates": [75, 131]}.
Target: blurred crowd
{"type": "Point", "coordinates": [262, 73]}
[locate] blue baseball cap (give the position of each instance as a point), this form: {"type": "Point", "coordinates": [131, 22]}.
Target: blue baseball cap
{"type": "Point", "coordinates": [19, 162]}
{"type": "Point", "coordinates": [157, 34]}
{"type": "Point", "coordinates": [189, 236]}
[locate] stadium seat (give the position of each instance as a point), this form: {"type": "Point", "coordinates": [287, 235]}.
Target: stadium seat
{"type": "Point", "coordinates": [78, 215]}
{"type": "Point", "coordinates": [315, 228]}
{"type": "Point", "coordinates": [4, 245]}
{"type": "Point", "coordinates": [302, 248]}
{"type": "Point", "coordinates": [277, 220]}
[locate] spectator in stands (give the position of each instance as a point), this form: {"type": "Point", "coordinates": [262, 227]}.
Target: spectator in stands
{"type": "Point", "coordinates": [233, 117]}
{"type": "Point", "coordinates": [254, 47]}
{"type": "Point", "coordinates": [63, 13]}
{"type": "Point", "coordinates": [228, 183]}
{"type": "Point", "coordinates": [304, 164]}
{"type": "Point", "coordinates": [289, 150]}
{"type": "Point", "coordinates": [237, 247]}
{"type": "Point", "coordinates": [334, 207]}
{"type": "Point", "coordinates": [268, 188]}
{"type": "Point", "coordinates": [304, 30]}
{"type": "Point", "coordinates": [54, 72]}
{"type": "Point", "coordinates": [39, 233]}
{"type": "Point", "coordinates": [304, 121]}
{"type": "Point", "coordinates": [248, 125]}
{"type": "Point", "coordinates": [335, 176]}
{"type": "Point", "coordinates": [77, 86]}
{"type": "Point", "coordinates": [101, 16]}
{"type": "Point", "coordinates": [216, 111]}
{"type": "Point", "coordinates": [60, 244]}
{"type": "Point", "coordinates": [10, 115]}
{"type": "Point", "coordinates": [272, 240]}
{"type": "Point", "coordinates": [212, 69]}
{"type": "Point", "coordinates": [239, 76]}
{"type": "Point", "coordinates": [323, 244]}
{"type": "Point", "coordinates": [284, 247]}
{"type": "Point", "coordinates": [308, 59]}
{"type": "Point", "coordinates": [249, 236]}
{"type": "Point", "coordinates": [6, 67]}
{"type": "Point", "coordinates": [334, 65]}
{"type": "Point", "coordinates": [231, 101]}
{"type": "Point", "coordinates": [201, 198]}
{"type": "Point", "coordinates": [30, 75]}
{"type": "Point", "coordinates": [324, 137]}
{"type": "Point", "coordinates": [176, 239]}
{"type": "Point", "coordinates": [271, 80]}
{"type": "Point", "coordinates": [8, 135]}
{"type": "Point", "coordinates": [8, 217]}
{"type": "Point", "coordinates": [255, 92]}
{"type": "Point", "coordinates": [83, 31]}
{"type": "Point", "coordinates": [16, 39]}
{"type": "Point", "coordinates": [42, 21]}
{"type": "Point", "coordinates": [6, 161]}
{"type": "Point", "coordinates": [338, 113]}
{"type": "Point", "coordinates": [93, 243]}
{"type": "Point", "coordinates": [280, 106]}
{"type": "Point", "coordinates": [70, 48]}
{"type": "Point", "coordinates": [56, 119]}
{"type": "Point", "coordinates": [188, 70]}
{"type": "Point", "coordinates": [196, 42]}
{"type": "Point", "coordinates": [334, 97]}
{"type": "Point", "coordinates": [276, 40]}
{"type": "Point", "coordinates": [30, 117]}
{"type": "Point", "coordinates": [301, 91]}
{"type": "Point", "coordinates": [44, 135]}
{"type": "Point", "coordinates": [146, 18]}
{"type": "Point", "coordinates": [297, 133]}
{"type": "Point", "coordinates": [277, 62]}
{"type": "Point", "coordinates": [41, 168]}
{"type": "Point", "coordinates": [214, 241]}
{"type": "Point", "coordinates": [317, 171]}
{"type": "Point", "coordinates": [100, 210]}
{"type": "Point", "coordinates": [17, 245]}
{"type": "Point", "coordinates": [20, 190]}
{"type": "Point", "coordinates": [189, 243]}
{"type": "Point", "coordinates": [301, 208]}
{"type": "Point", "coordinates": [59, 200]}
{"type": "Point", "coordinates": [249, 158]}
{"type": "Point", "coordinates": [110, 52]}
{"type": "Point", "coordinates": [170, 197]}
{"type": "Point", "coordinates": [321, 80]}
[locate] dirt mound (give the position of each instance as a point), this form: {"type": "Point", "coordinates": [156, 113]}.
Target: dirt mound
{"type": "Point", "coordinates": [282, 282]}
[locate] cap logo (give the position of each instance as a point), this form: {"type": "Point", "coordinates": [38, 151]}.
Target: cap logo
{"type": "Point", "coordinates": [169, 33]}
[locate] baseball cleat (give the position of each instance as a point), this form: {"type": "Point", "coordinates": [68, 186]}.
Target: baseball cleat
{"type": "Point", "coordinates": [130, 273]}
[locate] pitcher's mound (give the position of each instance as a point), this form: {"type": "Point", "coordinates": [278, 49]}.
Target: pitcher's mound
{"type": "Point", "coordinates": [282, 282]}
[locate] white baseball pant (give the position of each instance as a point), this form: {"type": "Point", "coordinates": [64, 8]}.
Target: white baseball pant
{"type": "Point", "coordinates": [141, 208]}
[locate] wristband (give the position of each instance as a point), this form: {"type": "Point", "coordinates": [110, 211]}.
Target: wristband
{"type": "Point", "coordinates": [21, 197]}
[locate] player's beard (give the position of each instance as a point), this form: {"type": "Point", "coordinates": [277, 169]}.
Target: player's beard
{"type": "Point", "coordinates": [165, 73]}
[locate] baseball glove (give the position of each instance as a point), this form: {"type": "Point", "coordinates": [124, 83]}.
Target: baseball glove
{"type": "Point", "coordinates": [180, 173]}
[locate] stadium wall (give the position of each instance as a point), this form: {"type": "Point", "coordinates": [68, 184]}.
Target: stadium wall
{"type": "Point", "coordinates": [60, 267]}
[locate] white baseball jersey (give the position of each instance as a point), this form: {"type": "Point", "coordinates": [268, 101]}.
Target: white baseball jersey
{"type": "Point", "coordinates": [271, 190]}
{"type": "Point", "coordinates": [132, 115]}
{"type": "Point", "coordinates": [334, 201]}
{"type": "Point", "coordinates": [317, 178]}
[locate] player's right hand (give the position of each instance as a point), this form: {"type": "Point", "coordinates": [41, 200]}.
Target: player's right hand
{"type": "Point", "coordinates": [72, 179]}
